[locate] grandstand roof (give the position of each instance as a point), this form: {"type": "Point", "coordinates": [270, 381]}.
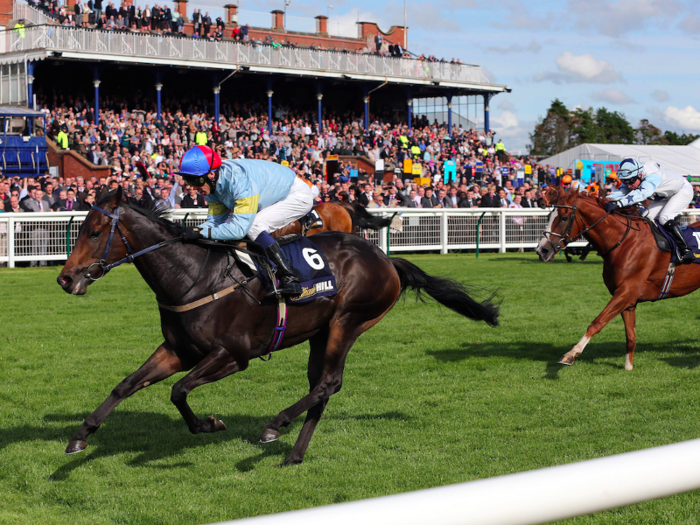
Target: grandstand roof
{"type": "Point", "coordinates": [14, 111]}
{"type": "Point", "coordinates": [684, 160]}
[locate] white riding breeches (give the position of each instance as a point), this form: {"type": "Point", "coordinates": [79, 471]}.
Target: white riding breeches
{"type": "Point", "coordinates": [294, 206]}
{"type": "Point", "coordinates": [668, 209]}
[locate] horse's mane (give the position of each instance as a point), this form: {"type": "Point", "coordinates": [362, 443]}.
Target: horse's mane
{"type": "Point", "coordinates": [148, 209]}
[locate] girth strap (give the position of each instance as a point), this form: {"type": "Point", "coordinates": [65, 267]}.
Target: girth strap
{"type": "Point", "coordinates": [201, 302]}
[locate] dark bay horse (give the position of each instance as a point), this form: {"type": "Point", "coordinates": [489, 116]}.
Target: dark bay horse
{"type": "Point", "coordinates": [220, 338]}
{"type": "Point", "coordinates": [634, 269]}
{"type": "Point", "coordinates": [342, 217]}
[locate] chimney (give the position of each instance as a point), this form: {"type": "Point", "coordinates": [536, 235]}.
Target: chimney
{"type": "Point", "coordinates": [181, 8]}
{"type": "Point", "coordinates": [231, 13]}
{"type": "Point", "coordinates": [322, 25]}
{"type": "Point", "coordinates": [278, 19]}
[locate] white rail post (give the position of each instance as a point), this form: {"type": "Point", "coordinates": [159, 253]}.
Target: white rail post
{"type": "Point", "coordinates": [502, 232]}
{"type": "Point", "coordinates": [443, 233]}
{"type": "Point", "coordinates": [11, 242]}
{"type": "Point", "coordinates": [382, 238]}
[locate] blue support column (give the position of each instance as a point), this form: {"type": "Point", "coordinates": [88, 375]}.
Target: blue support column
{"type": "Point", "coordinates": [269, 110]}
{"type": "Point", "coordinates": [319, 97]}
{"type": "Point", "coordinates": [96, 83]}
{"type": "Point", "coordinates": [159, 88]}
{"type": "Point", "coordinates": [217, 103]}
{"type": "Point", "coordinates": [487, 99]}
{"type": "Point", "coordinates": [409, 103]}
{"type": "Point", "coordinates": [449, 115]}
{"type": "Point", "coordinates": [30, 85]}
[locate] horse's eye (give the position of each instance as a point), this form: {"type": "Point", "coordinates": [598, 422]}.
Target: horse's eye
{"type": "Point", "coordinates": [95, 234]}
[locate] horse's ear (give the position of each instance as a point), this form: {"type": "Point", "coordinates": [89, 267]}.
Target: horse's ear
{"type": "Point", "coordinates": [117, 198]}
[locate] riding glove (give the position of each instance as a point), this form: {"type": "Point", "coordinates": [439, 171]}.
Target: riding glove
{"type": "Point", "coordinates": [611, 206]}
{"type": "Point", "coordinates": [191, 234]}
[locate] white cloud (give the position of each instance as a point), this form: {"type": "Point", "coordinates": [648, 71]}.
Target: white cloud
{"type": "Point", "coordinates": [518, 16]}
{"type": "Point", "coordinates": [507, 119]}
{"type": "Point", "coordinates": [506, 105]}
{"type": "Point", "coordinates": [613, 96]}
{"type": "Point", "coordinates": [660, 96]}
{"type": "Point", "coordinates": [532, 47]}
{"type": "Point", "coordinates": [622, 16]}
{"type": "Point", "coordinates": [687, 118]}
{"type": "Point", "coordinates": [515, 134]}
{"type": "Point", "coordinates": [580, 68]}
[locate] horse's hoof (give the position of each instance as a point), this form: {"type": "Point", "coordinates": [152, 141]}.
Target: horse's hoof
{"type": "Point", "coordinates": [217, 423]}
{"type": "Point", "coordinates": [75, 447]}
{"type": "Point", "coordinates": [567, 360]}
{"type": "Point", "coordinates": [268, 435]}
{"type": "Point", "coordinates": [291, 461]}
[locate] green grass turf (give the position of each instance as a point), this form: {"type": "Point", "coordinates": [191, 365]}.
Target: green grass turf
{"type": "Point", "coordinates": [428, 399]}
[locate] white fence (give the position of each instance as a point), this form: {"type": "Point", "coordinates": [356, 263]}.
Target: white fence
{"type": "Point", "coordinates": [46, 236]}
{"type": "Point", "coordinates": [228, 53]}
{"type": "Point", "coordinates": [527, 498]}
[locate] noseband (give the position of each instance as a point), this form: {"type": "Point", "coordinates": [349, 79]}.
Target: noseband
{"type": "Point", "coordinates": [129, 258]}
{"type": "Point", "coordinates": [564, 240]}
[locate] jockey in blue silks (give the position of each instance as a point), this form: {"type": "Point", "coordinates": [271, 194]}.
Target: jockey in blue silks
{"type": "Point", "coordinates": [671, 192]}
{"type": "Point", "coordinates": [247, 198]}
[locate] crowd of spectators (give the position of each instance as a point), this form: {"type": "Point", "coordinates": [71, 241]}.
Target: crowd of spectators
{"type": "Point", "coordinates": [162, 20]}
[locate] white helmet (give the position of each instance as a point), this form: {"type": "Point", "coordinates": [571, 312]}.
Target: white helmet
{"type": "Point", "coordinates": [629, 170]}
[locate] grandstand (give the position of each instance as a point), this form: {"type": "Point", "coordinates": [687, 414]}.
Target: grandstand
{"type": "Point", "coordinates": [271, 66]}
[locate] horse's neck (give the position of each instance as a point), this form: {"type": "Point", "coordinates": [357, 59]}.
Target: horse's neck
{"type": "Point", "coordinates": [607, 232]}
{"type": "Point", "coordinates": [170, 270]}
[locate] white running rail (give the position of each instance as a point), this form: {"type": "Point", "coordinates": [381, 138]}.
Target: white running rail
{"type": "Point", "coordinates": [526, 498]}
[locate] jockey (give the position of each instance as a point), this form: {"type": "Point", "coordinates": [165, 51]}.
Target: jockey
{"type": "Point", "coordinates": [247, 198]}
{"type": "Point", "coordinates": [566, 182]}
{"type": "Point", "coordinates": [671, 193]}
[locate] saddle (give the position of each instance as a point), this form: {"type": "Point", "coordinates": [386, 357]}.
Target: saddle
{"type": "Point", "coordinates": [662, 241]}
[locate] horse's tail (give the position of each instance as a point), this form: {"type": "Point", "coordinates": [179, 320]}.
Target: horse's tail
{"type": "Point", "coordinates": [450, 293]}
{"type": "Point", "coordinates": [361, 218]}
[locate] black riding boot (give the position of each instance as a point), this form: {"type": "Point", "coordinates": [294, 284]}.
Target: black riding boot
{"type": "Point", "coordinates": [289, 284]}
{"type": "Point", "coordinates": [687, 255]}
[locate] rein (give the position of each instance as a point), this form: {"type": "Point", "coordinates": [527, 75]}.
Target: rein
{"type": "Point", "coordinates": [129, 258]}
{"type": "Point", "coordinates": [563, 238]}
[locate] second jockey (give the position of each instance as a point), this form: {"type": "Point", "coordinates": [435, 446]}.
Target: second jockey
{"type": "Point", "coordinates": [671, 192]}
{"type": "Point", "coordinates": [247, 198]}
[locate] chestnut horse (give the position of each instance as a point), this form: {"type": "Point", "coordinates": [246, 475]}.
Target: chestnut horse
{"type": "Point", "coordinates": [215, 321]}
{"type": "Point", "coordinates": [634, 269]}
{"type": "Point", "coordinates": [342, 217]}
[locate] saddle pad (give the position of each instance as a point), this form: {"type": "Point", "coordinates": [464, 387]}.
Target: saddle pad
{"type": "Point", "coordinates": [691, 236]}
{"type": "Point", "coordinates": [310, 266]}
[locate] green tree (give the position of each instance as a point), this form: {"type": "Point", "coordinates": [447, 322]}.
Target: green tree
{"type": "Point", "coordinates": [647, 133]}
{"type": "Point", "coordinates": [674, 139]}
{"type": "Point", "coordinates": [552, 134]}
{"type": "Point", "coordinates": [584, 128]}
{"type": "Point", "coordinates": [614, 127]}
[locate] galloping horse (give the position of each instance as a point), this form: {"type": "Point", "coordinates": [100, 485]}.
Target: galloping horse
{"type": "Point", "coordinates": [343, 217]}
{"type": "Point", "coordinates": [635, 270]}
{"type": "Point", "coordinates": [215, 321]}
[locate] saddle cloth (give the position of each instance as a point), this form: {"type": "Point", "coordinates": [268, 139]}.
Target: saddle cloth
{"type": "Point", "coordinates": [691, 236]}
{"type": "Point", "coordinates": [309, 264]}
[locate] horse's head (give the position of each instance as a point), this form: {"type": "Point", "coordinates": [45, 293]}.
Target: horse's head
{"type": "Point", "coordinates": [565, 223]}
{"type": "Point", "coordinates": [97, 245]}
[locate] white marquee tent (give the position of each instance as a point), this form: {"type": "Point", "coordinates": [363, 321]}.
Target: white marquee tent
{"type": "Point", "coordinates": [684, 160]}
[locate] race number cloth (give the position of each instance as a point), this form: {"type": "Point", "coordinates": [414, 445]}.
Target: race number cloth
{"type": "Point", "coordinates": [692, 239]}
{"type": "Point", "coordinates": [311, 267]}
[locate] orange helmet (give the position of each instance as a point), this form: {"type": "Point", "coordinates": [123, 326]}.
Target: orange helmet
{"type": "Point", "coordinates": [593, 188]}
{"type": "Point", "coordinates": [566, 179]}
{"type": "Point", "coordinates": [613, 179]}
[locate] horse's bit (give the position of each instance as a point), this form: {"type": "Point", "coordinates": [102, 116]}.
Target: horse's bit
{"type": "Point", "coordinates": [574, 218]}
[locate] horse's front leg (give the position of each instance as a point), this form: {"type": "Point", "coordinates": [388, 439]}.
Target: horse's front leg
{"type": "Point", "coordinates": [621, 301]}
{"type": "Point", "coordinates": [629, 317]}
{"type": "Point", "coordinates": [217, 365]}
{"type": "Point", "coordinates": [162, 364]}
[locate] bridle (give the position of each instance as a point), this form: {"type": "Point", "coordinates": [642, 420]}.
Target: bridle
{"type": "Point", "coordinates": [564, 240]}
{"type": "Point", "coordinates": [129, 258]}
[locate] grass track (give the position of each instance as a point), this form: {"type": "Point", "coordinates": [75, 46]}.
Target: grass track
{"type": "Point", "coordinates": [428, 399]}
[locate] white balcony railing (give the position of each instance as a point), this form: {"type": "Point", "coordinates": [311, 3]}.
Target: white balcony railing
{"type": "Point", "coordinates": [172, 48]}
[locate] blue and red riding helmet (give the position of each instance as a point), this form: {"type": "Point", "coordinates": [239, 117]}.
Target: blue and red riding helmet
{"type": "Point", "coordinates": [197, 163]}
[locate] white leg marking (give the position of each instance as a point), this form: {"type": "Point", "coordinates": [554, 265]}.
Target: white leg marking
{"type": "Point", "coordinates": [628, 363]}
{"type": "Point", "coordinates": [578, 349]}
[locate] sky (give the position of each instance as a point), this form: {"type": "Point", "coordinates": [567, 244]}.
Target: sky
{"type": "Point", "coordinates": [638, 57]}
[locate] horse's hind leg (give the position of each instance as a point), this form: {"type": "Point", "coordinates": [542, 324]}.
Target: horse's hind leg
{"type": "Point", "coordinates": [629, 317]}
{"type": "Point", "coordinates": [329, 382]}
{"type": "Point", "coordinates": [162, 364]}
{"type": "Point", "coordinates": [217, 365]}
{"type": "Point", "coordinates": [316, 359]}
